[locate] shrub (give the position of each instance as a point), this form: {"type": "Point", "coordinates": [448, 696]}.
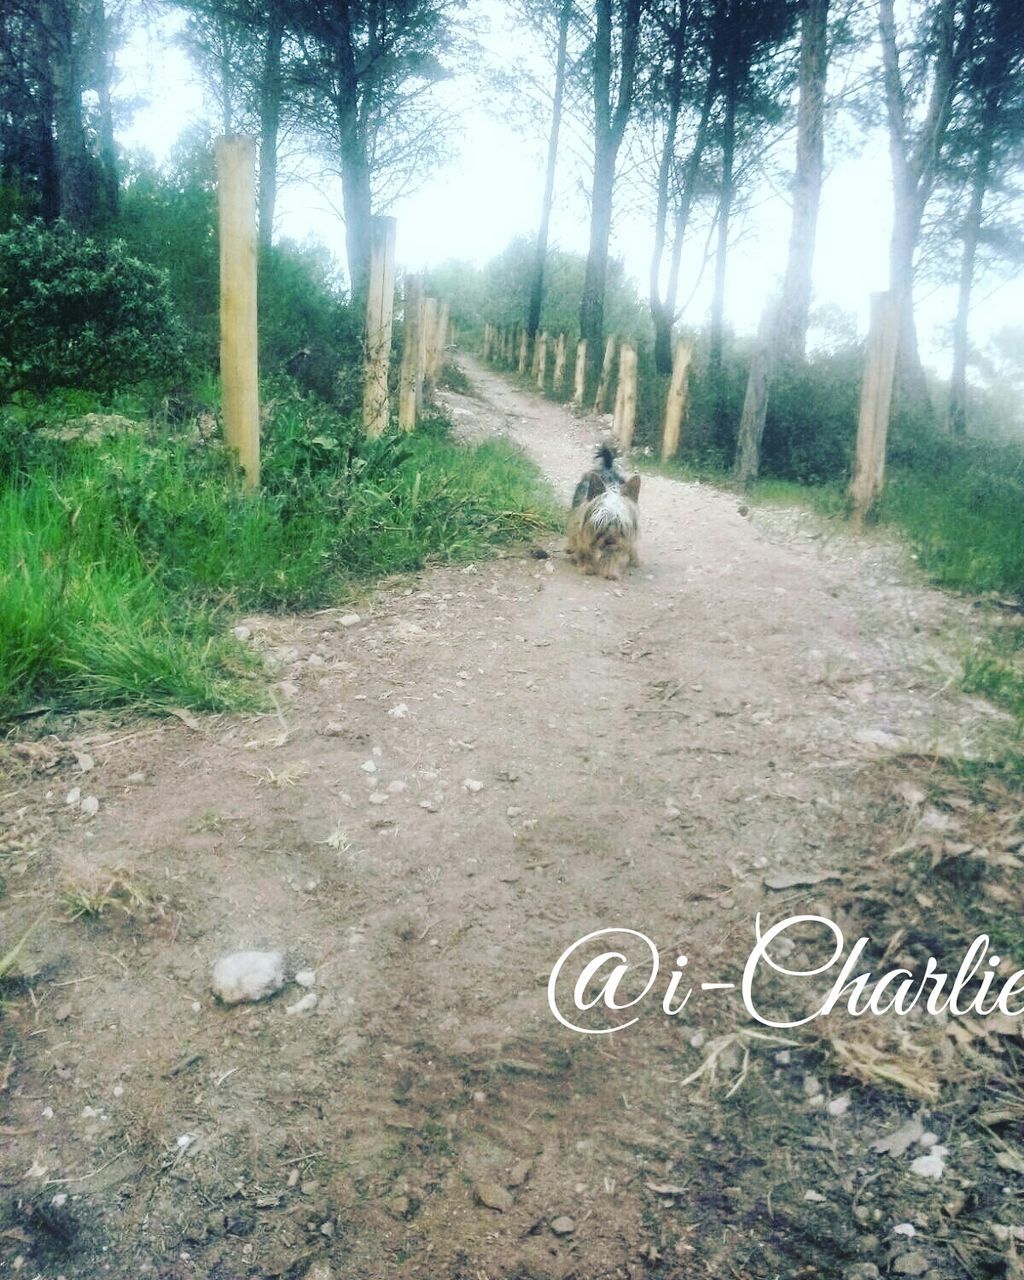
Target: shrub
{"type": "Point", "coordinates": [75, 313]}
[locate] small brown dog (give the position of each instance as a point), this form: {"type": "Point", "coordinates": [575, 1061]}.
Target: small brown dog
{"type": "Point", "coordinates": [605, 519]}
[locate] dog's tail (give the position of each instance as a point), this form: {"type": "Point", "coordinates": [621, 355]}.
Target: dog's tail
{"type": "Point", "coordinates": [606, 455]}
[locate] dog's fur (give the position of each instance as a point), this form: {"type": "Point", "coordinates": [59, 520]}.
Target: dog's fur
{"type": "Point", "coordinates": [605, 520]}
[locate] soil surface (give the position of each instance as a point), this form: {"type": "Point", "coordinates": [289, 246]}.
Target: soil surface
{"type": "Point", "coordinates": [492, 762]}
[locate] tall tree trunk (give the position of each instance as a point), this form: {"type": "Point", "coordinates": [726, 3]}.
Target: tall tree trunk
{"type": "Point", "coordinates": [270, 120]}
{"type": "Point", "coordinates": [957, 412]}
{"type": "Point", "coordinates": [665, 318]}
{"type": "Point", "coordinates": [915, 169]}
{"type": "Point", "coordinates": [356, 199]}
{"type": "Point", "coordinates": [662, 319]}
{"type": "Point", "coordinates": [717, 326]}
{"type": "Point", "coordinates": [541, 251]}
{"type": "Point", "coordinates": [609, 127]}
{"type": "Point", "coordinates": [596, 273]}
{"type": "Point", "coordinates": [107, 146]}
{"type": "Point", "coordinates": [784, 331]}
{"type": "Point", "coordinates": [66, 76]}
{"type": "Point", "coordinates": [810, 167]}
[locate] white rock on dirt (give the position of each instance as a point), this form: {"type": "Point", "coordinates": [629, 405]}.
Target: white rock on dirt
{"type": "Point", "coordinates": [349, 619]}
{"type": "Point", "coordinates": [90, 806]}
{"type": "Point", "coordinates": [473, 784]}
{"type": "Point", "coordinates": [930, 1166]}
{"type": "Point", "coordinates": [839, 1106]}
{"type": "Point", "coordinates": [305, 1005]}
{"type": "Point", "coordinates": [248, 976]}
{"type": "Point", "coordinates": [306, 978]}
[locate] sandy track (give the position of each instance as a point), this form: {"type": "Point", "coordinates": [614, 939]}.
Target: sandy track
{"type": "Point", "coordinates": [646, 750]}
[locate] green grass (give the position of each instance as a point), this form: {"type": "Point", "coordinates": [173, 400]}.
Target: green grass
{"type": "Point", "coordinates": [967, 526]}
{"type": "Point", "coordinates": [123, 562]}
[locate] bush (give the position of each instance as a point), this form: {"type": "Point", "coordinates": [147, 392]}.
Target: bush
{"type": "Point", "coordinates": [76, 313]}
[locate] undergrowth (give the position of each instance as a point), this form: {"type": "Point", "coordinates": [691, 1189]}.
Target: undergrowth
{"type": "Point", "coordinates": [125, 557]}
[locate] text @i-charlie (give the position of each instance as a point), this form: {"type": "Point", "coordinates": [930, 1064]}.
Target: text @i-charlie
{"type": "Point", "coordinates": [605, 980]}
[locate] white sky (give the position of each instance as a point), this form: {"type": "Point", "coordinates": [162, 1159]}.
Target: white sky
{"type": "Point", "coordinates": [491, 192]}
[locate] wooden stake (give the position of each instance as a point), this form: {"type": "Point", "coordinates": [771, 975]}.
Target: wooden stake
{"type": "Point", "coordinates": [380, 305]}
{"type": "Point", "coordinates": [236, 199]}
{"type": "Point", "coordinates": [523, 351]}
{"type": "Point", "coordinates": [606, 373]}
{"type": "Point", "coordinates": [580, 379]}
{"type": "Point", "coordinates": [421, 352]}
{"type": "Point", "coordinates": [542, 361]}
{"type": "Point", "coordinates": [625, 398]}
{"type": "Point", "coordinates": [675, 401]}
{"type": "Point", "coordinates": [875, 404]}
{"type": "Point", "coordinates": [558, 376]}
{"type": "Point", "coordinates": [410, 374]}
{"type": "Point", "coordinates": [440, 342]}
{"type": "Point", "coordinates": [429, 329]}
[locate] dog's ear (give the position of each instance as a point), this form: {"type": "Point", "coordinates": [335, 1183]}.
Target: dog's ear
{"type": "Point", "coordinates": [596, 486]}
{"type": "Point", "coordinates": [631, 489]}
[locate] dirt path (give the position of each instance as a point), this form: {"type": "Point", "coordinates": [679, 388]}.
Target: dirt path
{"type": "Point", "coordinates": [491, 763]}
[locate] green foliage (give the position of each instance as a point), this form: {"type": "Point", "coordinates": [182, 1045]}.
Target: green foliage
{"type": "Point", "coordinates": [77, 313]}
{"type": "Point", "coordinates": [499, 294]}
{"type": "Point", "coordinates": [964, 517]}
{"type": "Point", "coordinates": [126, 553]}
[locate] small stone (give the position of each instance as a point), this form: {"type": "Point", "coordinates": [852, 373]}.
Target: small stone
{"type": "Point", "coordinates": [293, 1178]}
{"type": "Point", "coordinates": [473, 784]}
{"type": "Point", "coordinates": [90, 806]}
{"type": "Point", "coordinates": [399, 1206]}
{"type": "Point", "coordinates": [242, 633]}
{"type": "Point", "coordinates": [74, 796]}
{"type": "Point", "coordinates": [305, 1005]}
{"type": "Point", "coordinates": [84, 761]}
{"type": "Point", "coordinates": [929, 1166]}
{"type": "Point", "coordinates": [333, 729]}
{"type": "Point", "coordinates": [812, 1086]}
{"type": "Point", "coordinates": [368, 766]}
{"type": "Point", "coordinates": [319, 1271]}
{"type": "Point", "coordinates": [378, 797]}
{"type": "Point", "coordinates": [306, 978]}
{"type": "Point", "coordinates": [63, 1013]}
{"type": "Point", "coordinates": [839, 1106]}
{"type": "Point", "coordinates": [784, 1057]}
{"type": "Point", "coordinates": [905, 1229]}
{"type": "Point", "coordinates": [519, 1172]}
{"type": "Point", "coordinates": [493, 1196]}
{"type": "Point", "coordinates": [248, 976]}
{"type": "Point", "coordinates": [327, 1229]}
{"type": "Point", "coordinates": [429, 805]}
{"type": "Point", "coordinates": [861, 1271]}
{"type": "Point", "coordinates": [399, 711]}
{"type": "Point", "coordinates": [134, 779]}
{"type": "Point", "coordinates": [815, 1197]}
{"type": "Point", "coordinates": [928, 1139]}
{"type": "Point", "coordinates": [563, 1226]}
{"type": "Point", "coordinates": [397, 787]}
{"type": "Point", "coordinates": [911, 1264]}
{"type": "Point", "coordinates": [349, 619]}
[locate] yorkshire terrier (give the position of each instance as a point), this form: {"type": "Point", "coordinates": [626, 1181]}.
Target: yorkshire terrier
{"type": "Point", "coordinates": [605, 520]}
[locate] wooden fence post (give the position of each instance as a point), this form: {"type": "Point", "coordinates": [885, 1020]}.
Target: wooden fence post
{"type": "Point", "coordinates": [488, 341]}
{"type": "Point", "coordinates": [625, 398]}
{"type": "Point", "coordinates": [440, 339]}
{"type": "Point", "coordinates": [523, 350]}
{"type": "Point", "coordinates": [421, 352]}
{"type": "Point", "coordinates": [429, 329]}
{"type": "Point", "coordinates": [236, 199]}
{"type": "Point", "coordinates": [542, 360]}
{"type": "Point", "coordinates": [411, 373]}
{"type": "Point", "coordinates": [875, 404]}
{"type": "Point", "coordinates": [675, 401]}
{"type": "Point", "coordinates": [580, 379]}
{"type": "Point", "coordinates": [606, 373]}
{"type": "Point", "coordinates": [380, 304]}
{"type": "Point", "coordinates": [558, 376]}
